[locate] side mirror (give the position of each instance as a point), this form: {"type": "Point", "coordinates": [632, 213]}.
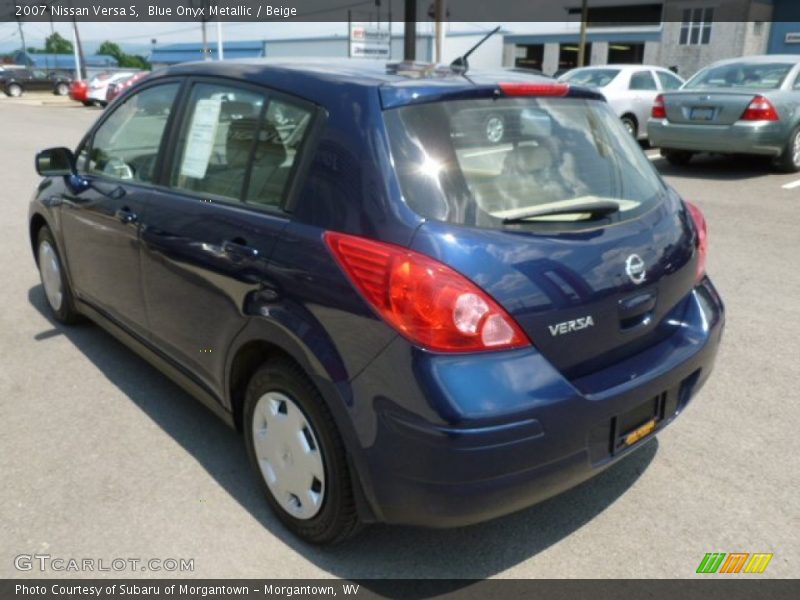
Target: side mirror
{"type": "Point", "coordinates": [55, 162]}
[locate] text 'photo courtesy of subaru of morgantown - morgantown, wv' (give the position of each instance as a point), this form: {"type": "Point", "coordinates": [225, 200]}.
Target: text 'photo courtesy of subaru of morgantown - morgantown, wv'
{"type": "Point", "coordinates": [409, 320]}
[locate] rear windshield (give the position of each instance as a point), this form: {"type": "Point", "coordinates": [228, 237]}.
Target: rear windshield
{"type": "Point", "coordinates": [591, 77]}
{"type": "Point", "coordinates": [482, 162]}
{"type": "Point", "coordinates": [741, 75]}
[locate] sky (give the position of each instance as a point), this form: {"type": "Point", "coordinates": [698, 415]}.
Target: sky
{"type": "Point", "coordinates": [136, 37]}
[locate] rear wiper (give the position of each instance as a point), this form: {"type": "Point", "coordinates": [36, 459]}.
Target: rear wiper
{"type": "Point", "coordinates": [597, 210]}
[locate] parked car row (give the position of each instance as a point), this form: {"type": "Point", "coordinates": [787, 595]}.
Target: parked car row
{"type": "Point", "coordinates": [15, 81]}
{"type": "Point", "coordinates": [748, 105]}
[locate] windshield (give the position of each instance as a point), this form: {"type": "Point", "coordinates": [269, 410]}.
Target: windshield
{"type": "Point", "coordinates": [741, 75]}
{"type": "Point", "coordinates": [591, 77]}
{"type": "Point", "coordinates": [484, 162]}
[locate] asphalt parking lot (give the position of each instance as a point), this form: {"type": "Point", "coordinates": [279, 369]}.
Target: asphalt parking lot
{"type": "Point", "coordinates": [102, 457]}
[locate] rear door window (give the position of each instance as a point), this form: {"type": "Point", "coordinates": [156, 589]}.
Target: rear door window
{"type": "Point", "coordinates": [237, 144]}
{"type": "Point", "coordinates": [642, 80]}
{"type": "Point", "coordinates": [553, 152]}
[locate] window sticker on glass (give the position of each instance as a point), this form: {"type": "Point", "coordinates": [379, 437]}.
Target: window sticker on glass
{"type": "Point", "coordinates": [202, 134]}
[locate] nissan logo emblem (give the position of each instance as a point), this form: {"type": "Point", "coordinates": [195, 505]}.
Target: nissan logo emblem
{"type": "Point", "coordinates": [634, 267]}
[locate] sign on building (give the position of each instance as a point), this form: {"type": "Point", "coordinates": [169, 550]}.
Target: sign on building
{"type": "Point", "coordinates": [368, 40]}
{"type": "Point", "coordinates": [792, 38]}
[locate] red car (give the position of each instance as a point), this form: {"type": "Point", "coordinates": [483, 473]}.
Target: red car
{"type": "Point", "coordinates": [78, 90]}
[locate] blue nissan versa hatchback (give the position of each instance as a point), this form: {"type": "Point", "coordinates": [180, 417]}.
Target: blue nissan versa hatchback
{"type": "Point", "coordinates": [424, 298]}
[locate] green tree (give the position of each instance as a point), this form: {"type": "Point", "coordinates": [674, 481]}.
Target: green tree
{"type": "Point", "coordinates": [55, 44]}
{"type": "Point", "coordinates": [130, 61]}
{"type": "Point", "coordinates": [110, 49]}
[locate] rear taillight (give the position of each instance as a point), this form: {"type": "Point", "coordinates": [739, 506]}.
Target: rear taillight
{"type": "Point", "coordinates": [760, 109]}
{"type": "Point", "coordinates": [702, 239]}
{"type": "Point", "coordinates": [534, 89]}
{"type": "Point", "coordinates": [659, 111]}
{"type": "Point", "coordinates": [426, 301]}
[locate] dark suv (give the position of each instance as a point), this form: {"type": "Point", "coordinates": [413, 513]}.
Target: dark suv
{"type": "Point", "coordinates": [411, 323]}
{"type": "Point", "coordinates": [15, 82]}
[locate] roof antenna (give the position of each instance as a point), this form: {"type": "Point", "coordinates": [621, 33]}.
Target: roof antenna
{"type": "Point", "coordinates": [461, 65]}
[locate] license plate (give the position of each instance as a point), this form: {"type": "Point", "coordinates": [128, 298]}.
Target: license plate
{"type": "Point", "coordinates": [702, 114]}
{"type": "Point", "coordinates": [640, 432]}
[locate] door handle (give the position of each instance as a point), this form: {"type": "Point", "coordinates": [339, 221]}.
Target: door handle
{"type": "Point", "coordinates": [126, 215]}
{"type": "Point", "coordinates": [238, 247]}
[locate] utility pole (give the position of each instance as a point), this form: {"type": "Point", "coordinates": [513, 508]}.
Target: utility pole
{"type": "Point", "coordinates": [82, 60]}
{"type": "Point", "coordinates": [410, 34]}
{"type": "Point", "coordinates": [22, 37]}
{"type": "Point", "coordinates": [582, 45]}
{"type": "Point", "coordinates": [439, 15]}
{"type": "Point", "coordinates": [205, 39]}
{"type": "Point", "coordinates": [220, 52]}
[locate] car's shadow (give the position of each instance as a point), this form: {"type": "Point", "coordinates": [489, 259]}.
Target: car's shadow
{"type": "Point", "coordinates": [379, 551]}
{"type": "Point", "coordinates": [716, 167]}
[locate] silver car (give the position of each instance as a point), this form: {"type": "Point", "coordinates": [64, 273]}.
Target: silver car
{"type": "Point", "coordinates": [629, 89]}
{"type": "Point", "coordinates": [740, 106]}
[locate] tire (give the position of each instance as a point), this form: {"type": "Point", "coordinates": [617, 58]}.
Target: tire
{"type": "Point", "coordinates": [678, 158]}
{"type": "Point", "coordinates": [54, 280]}
{"type": "Point", "coordinates": [629, 123]}
{"type": "Point", "coordinates": [87, 103]}
{"type": "Point", "coordinates": [494, 129]}
{"type": "Point", "coordinates": [14, 90]}
{"type": "Point", "coordinates": [306, 448]}
{"type": "Point", "coordinates": [62, 89]}
{"type": "Point", "coordinates": [789, 160]}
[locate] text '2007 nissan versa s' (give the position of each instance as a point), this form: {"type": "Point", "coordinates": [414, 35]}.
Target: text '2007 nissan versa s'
{"type": "Point", "coordinates": [428, 299]}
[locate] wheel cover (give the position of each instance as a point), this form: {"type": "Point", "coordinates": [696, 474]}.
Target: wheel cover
{"type": "Point", "coordinates": [494, 129]}
{"type": "Point", "coordinates": [796, 149]}
{"type": "Point", "coordinates": [50, 270]}
{"type": "Point", "coordinates": [15, 90]}
{"type": "Point", "coordinates": [629, 126]}
{"type": "Point", "coordinates": [289, 455]}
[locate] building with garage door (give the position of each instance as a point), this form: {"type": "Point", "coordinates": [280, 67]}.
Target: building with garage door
{"type": "Point", "coordinates": [685, 35]}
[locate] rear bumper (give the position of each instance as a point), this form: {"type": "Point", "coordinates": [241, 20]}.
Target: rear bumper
{"type": "Point", "coordinates": [449, 441]}
{"type": "Point", "coordinates": [742, 137]}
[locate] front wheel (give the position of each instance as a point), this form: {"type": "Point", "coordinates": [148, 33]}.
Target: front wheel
{"type": "Point", "coordinates": [14, 90]}
{"type": "Point", "coordinates": [54, 280]}
{"type": "Point", "coordinates": [297, 452]}
{"type": "Point", "coordinates": [62, 89]}
{"type": "Point", "coordinates": [678, 158]}
{"type": "Point", "coordinates": [789, 160]}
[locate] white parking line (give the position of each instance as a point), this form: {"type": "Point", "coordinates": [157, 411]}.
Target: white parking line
{"type": "Point", "coordinates": [791, 185]}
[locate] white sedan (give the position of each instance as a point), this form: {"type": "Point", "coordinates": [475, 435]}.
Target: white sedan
{"type": "Point", "coordinates": [629, 89]}
{"type": "Point", "coordinates": [98, 85]}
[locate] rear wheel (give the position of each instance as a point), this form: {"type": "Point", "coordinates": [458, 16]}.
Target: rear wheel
{"type": "Point", "coordinates": [14, 90]}
{"type": "Point", "coordinates": [54, 281]}
{"type": "Point", "coordinates": [495, 129]}
{"type": "Point", "coordinates": [62, 89]}
{"type": "Point", "coordinates": [298, 454]}
{"type": "Point", "coordinates": [789, 160]}
{"type": "Point", "coordinates": [629, 123]}
{"type": "Point", "coordinates": [679, 158]}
